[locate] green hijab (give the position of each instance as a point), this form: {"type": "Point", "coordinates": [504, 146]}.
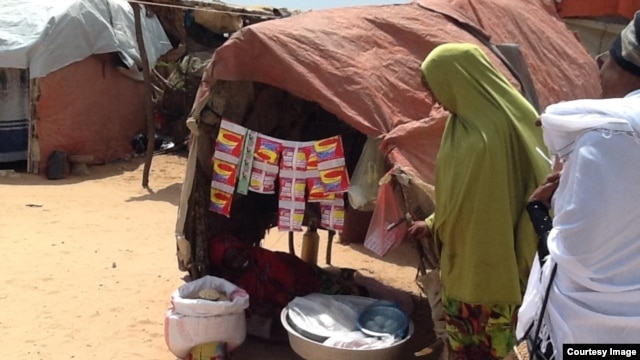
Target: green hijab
{"type": "Point", "coordinates": [486, 168]}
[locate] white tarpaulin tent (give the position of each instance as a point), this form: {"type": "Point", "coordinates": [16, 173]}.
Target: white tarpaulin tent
{"type": "Point", "coordinates": [45, 35]}
{"type": "Point", "coordinates": [69, 72]}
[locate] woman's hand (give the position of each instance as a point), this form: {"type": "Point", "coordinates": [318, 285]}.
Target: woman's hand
{"type": "Point", "coordinates": [419, 229]}
{"type": "Point", "coordinates": [545, 191]}
{"type": "Point", "coordinates": [421, 234]}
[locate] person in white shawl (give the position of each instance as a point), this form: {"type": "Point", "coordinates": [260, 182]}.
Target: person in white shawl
{"type": "Point", "coordinates": [594, 296]}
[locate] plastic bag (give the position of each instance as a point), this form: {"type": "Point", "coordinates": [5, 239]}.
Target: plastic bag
{"type": "Point", "coordinates": [190, 321]}
{"type": "Point", "coordinates": [363, 190]}
{"type": "Point", "coordinates": [379, 239]}
{"type": "Point", "coordinates": [359, 341]}
{"type": "Point", "coordinates": [185, 299]}
{"type": "Point", "coordinates": [322, 316]}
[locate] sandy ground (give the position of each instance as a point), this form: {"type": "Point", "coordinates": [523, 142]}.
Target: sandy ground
{"type": "Point", "coordinates": [89, 265]}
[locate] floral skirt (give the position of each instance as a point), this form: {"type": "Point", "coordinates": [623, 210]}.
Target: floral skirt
{"type": "Point", "coordinates": [478, 332]}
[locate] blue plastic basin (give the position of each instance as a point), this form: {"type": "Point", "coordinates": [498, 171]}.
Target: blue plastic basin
{"type": "Point", "coordinates": [383, 319]}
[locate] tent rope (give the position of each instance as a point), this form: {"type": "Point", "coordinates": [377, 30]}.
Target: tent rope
{"type": "Point", "coordinates": [201, 9]}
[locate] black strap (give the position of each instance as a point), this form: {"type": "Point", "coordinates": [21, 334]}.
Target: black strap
{"type": "Point", "coordinates": [546, 299]}
{"type": "Point", "coordinates": [533, 340]}
{"type": "Point", "coordinates": [542, 224]}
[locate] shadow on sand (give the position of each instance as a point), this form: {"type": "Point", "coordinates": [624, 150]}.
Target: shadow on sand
{"type": "Point", "coordinates": [170, 194]}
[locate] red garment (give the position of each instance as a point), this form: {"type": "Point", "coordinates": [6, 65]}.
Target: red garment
{"type": "Point", "coordinates": [271, 278]}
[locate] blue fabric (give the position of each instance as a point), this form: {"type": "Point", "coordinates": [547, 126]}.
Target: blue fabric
{"type": "Point", "coordinates": [14, 140]}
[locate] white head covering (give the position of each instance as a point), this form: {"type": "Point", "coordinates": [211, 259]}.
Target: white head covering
{"type": "Point", "coordinates": [565, 122]}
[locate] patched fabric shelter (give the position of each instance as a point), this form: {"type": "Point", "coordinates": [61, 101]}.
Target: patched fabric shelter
{"type": "Point", "coordinates": [71, 78]}
{"type": "Point", "coordinates": [354, 72]}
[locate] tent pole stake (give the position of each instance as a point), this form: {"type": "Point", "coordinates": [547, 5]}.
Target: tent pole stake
{"type": "Point", "coordinates": [148, 103]}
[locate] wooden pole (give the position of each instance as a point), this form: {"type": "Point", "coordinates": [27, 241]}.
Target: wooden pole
{"type": "Point", "coordinates": [148, 103]}
{"type": "Point", "coordinates": [33, 147]}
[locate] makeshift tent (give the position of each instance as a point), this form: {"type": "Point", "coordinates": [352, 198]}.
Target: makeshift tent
{"type": "Point", "coordinates": [597, 22]}
{"type": "Point", "coordinates": [79, 87]}
{"type": "Point", "coordinates": [194, 28]}
{"type": "Point", "coordinates": [355, 72]}
{"type": "Point", "coordinates": [597, 8]}
{"type": "Point", "coordinates": [597, 34]}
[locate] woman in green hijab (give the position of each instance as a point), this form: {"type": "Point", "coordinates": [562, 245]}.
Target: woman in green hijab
{"type": "Point", "coordinates": [487, 166]}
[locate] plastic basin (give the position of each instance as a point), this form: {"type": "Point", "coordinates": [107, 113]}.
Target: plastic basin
{"type": "Point", "coordinates": [313, 350]}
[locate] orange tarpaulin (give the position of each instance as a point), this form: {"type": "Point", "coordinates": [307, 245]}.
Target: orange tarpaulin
{"type": "Point", "coordinates": [596, 8]}
{"type": "Point", "coordinates": [89, 107]}
{"type": "Point", "coordinates": [363, 63]}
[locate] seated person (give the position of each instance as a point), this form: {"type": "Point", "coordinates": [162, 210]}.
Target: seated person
{"type": "Point", "coordinates": [272, 278]}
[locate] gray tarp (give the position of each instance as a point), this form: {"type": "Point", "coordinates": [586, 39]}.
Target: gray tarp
{"type": "Point", "coordinates": [46, 35]}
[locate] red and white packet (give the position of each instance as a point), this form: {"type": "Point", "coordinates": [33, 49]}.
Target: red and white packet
{"type": "Point", "coordinates": [265, 164]}
{"type": "Point", "coordinates": [291, 200]}
{"type": "Point", "coordinates": [226, 157]}
{"type": "Point", "coordinates": [332, 213]}
{"type": "Point", "coordinates": [331, 164]}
